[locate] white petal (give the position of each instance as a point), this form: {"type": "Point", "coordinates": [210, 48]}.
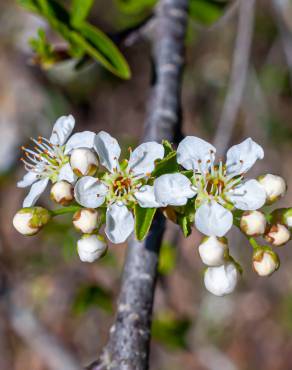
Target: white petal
{"type": "Point", "coordinates": [142, 158]}
{"type": "Point", "coordinates": [83, 139]}
{"type": "Point", "coordinates": [221, 280]}
{"type": "Point", "coordinates": [249, 196]}
{"type": "Point", "coordinates": [173, 189]}
{"type": "Point", "coordinates": [212, 219]}
{"type": "Point", "coordinates": [35, 192]}
{"type": "Point", "coordinates": [108, 150]}
{"type": "Point", "coordinates": [194, 153]}
{"type": "Point", "coordinates": [90, 192]}
{"type": "Point", "coordinates": [119, 223]}
{"type": "Point", "coordinates": [67, 174]}
{"type": "Point", "coordinates": [28, 179]}
{"type": "Point", "coordinates": [240, 158]}
{"type": "Point", "coordinates": [146, 197]}
{"type": "Point", "coordinates": [62, 130]}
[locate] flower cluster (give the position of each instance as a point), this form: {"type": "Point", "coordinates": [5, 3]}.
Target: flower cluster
{"type": "Point", "coordinates": [118, 196]}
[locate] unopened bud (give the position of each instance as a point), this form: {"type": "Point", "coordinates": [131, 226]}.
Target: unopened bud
{"type": "Point", "coordinates": [83, 162]}
{"type": "Point", "coordinates": [29, 221]}
{"type": "Point", "coordinates": [287, 217]}
{"type": "Point", "coordinates": [212, 251]}
{"type": "Point", "coordinates": [62, 193]}
{"type": "Point", "coordinates": [278, 235]}
{"type": "Point", "coordinates": [91, 247]}
{"type": "Point", "coordinates": [265, 261]}
{"type": "Point", "coordinates": [253, 223]}
{"type": "Point", "coordinates": [275, 187]}
{"type": "Point", "coordinates": [222, 279]}
{"type": "Point", "coordinates": [85, 220]}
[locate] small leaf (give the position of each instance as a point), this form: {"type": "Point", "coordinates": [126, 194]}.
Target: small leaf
{"type": "Point", "coordinates": [167, 147]}
{"type": "Point", "coordinates": [166, 165]}
{"type": "Point", "coordinates": [143, 220]}
{"type": "Point", "coordinates": [80, 10]}
{"type": "Point", "coordinates": [133, 6]}
{"type": "Point", "coordinates": [101, 48]}
{"type": "Point", "coordinates": [29, 5]}
{"type": "Point", "coordinates": [185, 225]}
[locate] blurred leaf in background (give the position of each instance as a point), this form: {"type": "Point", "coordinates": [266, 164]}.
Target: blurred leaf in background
{"type": "Point", "coordinates": [167, 258]}
{"type": "Point", "coordinates": [170, 330]}
{"type": "Point", "coordinates": [207, 12]}
{"type": "Point", "coordinates": [92, 295]}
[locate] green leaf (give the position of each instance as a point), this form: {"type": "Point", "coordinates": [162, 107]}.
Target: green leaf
{"type": "Point", "coordinates": [101, 48]}
{"type": "Point", "coordinates": [170, 330]}
{"type": "Point", "coordinates": [143, 220]}
{"type": "Point", "coordinates": [166, 165]}
{"type": "Point", "coordinates": [167, 258]}
{"type": "Point", "coordinates": [30, 5]}
{"type": "Point", "coordinates": [206, 11]}
{"type": "Point", "coordinates": [167, 147]}
{"type": "Point", "coordinates": [185, 224]}
{"type": "Point", "coordinates": [133, 6]}
{"type": "Point", "coordinates": [80, 10]}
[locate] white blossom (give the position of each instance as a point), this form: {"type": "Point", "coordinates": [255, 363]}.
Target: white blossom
{"type": "Point", "coordinates": [275, 187]}
{"type": "Point", "coordinates": [49, 160]}
{"type": "Point", "coordinates": [85, 220]}
{"type": "Point", "coordinates": [221, 280]}
{"type": "Point", "coordinates": [253, 223]}
{"type": "Point", "coordinates": [278, 235]}
{"type": "Point", "coordinates": [91, 248]}
{"type": "Point", "coordinates": [62, 192]}
{"type": "Point", "coordinates": [121, 186]}
{"type": "Point", "coordinates": [217, 187]}
{"type": "Point", "coordinates": [212, 251]}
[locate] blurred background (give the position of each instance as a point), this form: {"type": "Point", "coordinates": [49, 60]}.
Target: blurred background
{"type": "Point", "coordinates": [248, 330]}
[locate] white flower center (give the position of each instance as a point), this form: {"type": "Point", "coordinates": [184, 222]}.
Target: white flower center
{"type": "Point", "coordinates": [46, 159]}
{"type": "Point", "coordinates": [214, 183]}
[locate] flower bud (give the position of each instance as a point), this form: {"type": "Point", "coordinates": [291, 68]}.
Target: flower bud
{"type": "Point", "coordinates": [83, 162]}
{"type": "Point", "coordinates": [275, 187]}
{"type": "Point", "coordinates": [62, 193]}
{"type": "Point", "coordinates": [265, 261]}
{"type": "Point", "coordinates": [287, 217]}
{"type": "Point", "coordinates": [212, 251]}
{"type": "Point", "coordinates": [91, 247]}
{"type": "Point", "coordinates": [278, 235]}
{"type": "Point", "coordinates": [29, 221]}
{"type": "Point", "coordinates": [85, 220]}
{"type": "Point", "coordinates": [222, 279]}
{"type": "Point", "coordinates": [253, 223]}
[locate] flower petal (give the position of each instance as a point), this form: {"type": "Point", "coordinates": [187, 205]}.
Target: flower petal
{"type": "Point", "coordinates": [146, 197]}
{"type": "Point", "coordinates": [142, 158]}
{"type": "Point", "coordinates": [221, 280]}
{"type": "Point", "coordinates": [62, 130]}
{"type": "Point", "coordinates": [35, 192]}
{"type": "Point", "coordinates": [119, 223]}
{"type": "Point", "coordinates": [194, 153]}
{"type": "Point", "coordinates": [83, 139]}
{"type": "Point", "coordinates": [173, 189]}
{"type": "Point", "coordinates": [212, 219]}
{"type": "Point", "coordinates": [28, 179]}
{"type": "Point", "coordinates": [108, 150]}
{"type": "Point", "coordinates": [90, 192]}
{"type": "Point", "coordinates": [66, 173]}
{"type": "Point", "coordinates": [249, 196]}
{"type": "Point", "coordinates": [240, 158]}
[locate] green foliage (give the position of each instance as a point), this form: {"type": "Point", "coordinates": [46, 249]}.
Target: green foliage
{"type": "Point", "coordinates": [171, 331]}
{"type": "Point", "coordinates": [83, 38]}
{"type": "Point", "coordinates": [206, 11]}
{"type": "Point", "coordinates": [167, 258]}
{"type": "Point", "coordinates": [92, 295]}
{"type": "Point", "coordinates": [168, 164]}
{"type": "Point", "coordinates": [133, 6]}
{"type": "Point", "coordinates": [80, 10]}
{"type": "Point", "coordinates": [185, 218]}
{"type": "Point", "coordinates": [143, 220]}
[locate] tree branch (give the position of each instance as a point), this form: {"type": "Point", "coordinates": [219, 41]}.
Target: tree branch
{"type": "Point", "coordinates": [238, 76]}
{"type": "Point", "coordinates": [128, 345]}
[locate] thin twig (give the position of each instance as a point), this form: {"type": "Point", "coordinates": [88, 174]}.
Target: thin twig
{"type": "Point", "coordinates": [238, 76]}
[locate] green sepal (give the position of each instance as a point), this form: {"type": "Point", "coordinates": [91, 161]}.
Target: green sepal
{"type": "Point", "coordinates": [143, 220]}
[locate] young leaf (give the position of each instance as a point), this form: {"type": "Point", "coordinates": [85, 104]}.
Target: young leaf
{"type": "Point", "coordinates": [80, 10]}
{"type": "Point", "coordinates": [29, 5]}
{"type": "Point", "coordinates": [185, 225]}
{"type": "Point", "coordinates": [101, 48]}
{"type": "Point", "coordinates": [143, 221]}
{"type": "Point", "coordinates": [167, 165]}
{"type": "Point", "coordinates": [133, 6]}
